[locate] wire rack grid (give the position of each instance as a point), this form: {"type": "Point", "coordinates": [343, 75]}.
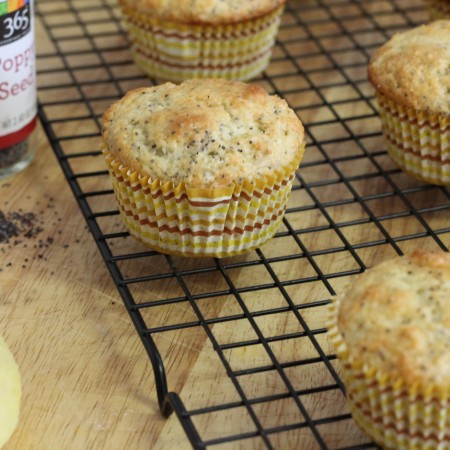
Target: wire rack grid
{"type": "Point", "coordinates": [257, 321]}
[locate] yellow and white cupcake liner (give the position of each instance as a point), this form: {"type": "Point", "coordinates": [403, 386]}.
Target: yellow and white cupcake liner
{"type": "Point", "coordinates": [419, 142]}
{"type": "Point", "coordinates": [175, 52]}
{"type": "Point", "coordinates": [179, 220]}
{"type": "Point", "coordinates": [394, 415]}
{"type": "Point", "coordinates": [438, 9]}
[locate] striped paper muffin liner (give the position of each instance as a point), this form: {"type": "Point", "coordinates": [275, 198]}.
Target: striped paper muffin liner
{"type": "Point", "coordinates": [170, 51]}
{"type": "Point", "coordinates": [179, 220]}
{"type": "Point", "coordinates": [438, 9]}
{"type": "Point", "coordinates": [419, 142]}
{"type": "Point", "coordinates": [394, 415]}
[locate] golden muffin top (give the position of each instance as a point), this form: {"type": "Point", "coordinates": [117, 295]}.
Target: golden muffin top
{"type": "Point", "coordinates": [204, 11]}
{"type": "Point", "coordinates": [412, 68]}
{"type": "Point", "coordinates": [396, 319]}
{"type": "Point", "coordinates": [207, 133]}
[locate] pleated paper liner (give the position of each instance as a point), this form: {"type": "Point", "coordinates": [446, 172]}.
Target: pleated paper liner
{"type": "Point", "coordinates": [175, 52]}
{"type": "Point", "coordinates": [394, 415]}
{"type": "Point", "coordinates": [438, 9]}
{"type": "Point", "coordinates": [419, 142]}
{"type": "Point", "coordinates": [201, 222]}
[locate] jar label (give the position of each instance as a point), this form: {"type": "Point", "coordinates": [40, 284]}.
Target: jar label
{"type": "Point", "coordinates": [18, 106]}
{"type": "Point", "coordinates": [14, 23]}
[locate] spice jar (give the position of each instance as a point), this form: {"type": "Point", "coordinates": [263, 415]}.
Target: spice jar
{"type": "Point", "coordinates": [18, 93]}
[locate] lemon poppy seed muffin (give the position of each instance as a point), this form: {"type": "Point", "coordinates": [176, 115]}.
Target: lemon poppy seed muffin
{"type": "Point", "coordinates": [412, 68]}
{"type": "Point", "coordinates": [175, 40]}
{"type": "Point", "coordinates": [391, 331]}
{"type": "Point", "coordinates": [211, 133]}
{"type": "Point", "coordinates": [212, 12]}
{"type": "Point", "coordinates": [223, 152]}
{"type": "Point", "coordinates": [412, 85]}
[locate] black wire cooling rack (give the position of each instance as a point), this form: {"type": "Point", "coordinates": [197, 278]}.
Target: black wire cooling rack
{"type": "Point", "coordinates": [260, 317]}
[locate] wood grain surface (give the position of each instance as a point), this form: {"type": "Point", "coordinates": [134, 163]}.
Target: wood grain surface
{"type": "Point", "coordinates": [87, 381]}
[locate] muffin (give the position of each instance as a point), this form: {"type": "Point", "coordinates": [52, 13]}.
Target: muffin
{"type": "Point", "coordinates": [175, 40]}
{"type": "Point", "coordinates": [412, 85]}
{"type": "Point", "coordinates": [438, 9]}
{"type": "Point", "coordinates": [391, 332]}
{"type": "Point", "coordinates": [203, 168]}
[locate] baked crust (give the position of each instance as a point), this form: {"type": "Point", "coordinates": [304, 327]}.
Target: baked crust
{"type": "Point", "coordinates": [396, 319]}
{"type": "Point", "coordinates": [212, 12]}
{"type": "Point", "coordinates": [206, 133]}
{"type": "Point", "coordinates": [412, 68]}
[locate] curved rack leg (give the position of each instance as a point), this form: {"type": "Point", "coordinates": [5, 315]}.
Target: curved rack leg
{"type": "Point", "coordinates": [160, 375]}
{"type": "Point", "coordinates": [173, 403]}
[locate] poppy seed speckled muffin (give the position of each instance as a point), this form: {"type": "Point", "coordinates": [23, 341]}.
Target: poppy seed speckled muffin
{"type": "Point", "coordinates": [391, 331]}
{"type": "Point", "coordinates": [204, 167]}
{"type": "Point", "coordinates": [175, 40]}
{"type": "Point", "coordinates": [411, 77]}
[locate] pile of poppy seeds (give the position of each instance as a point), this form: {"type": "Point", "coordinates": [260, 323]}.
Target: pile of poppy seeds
{"type": "Point", "coordinates": [16, 224]}
{"type": "Point", "coordinates": [25, 229]}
